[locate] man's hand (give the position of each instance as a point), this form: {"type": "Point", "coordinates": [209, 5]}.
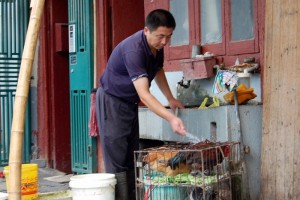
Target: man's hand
{"type": "Point", "coordinates": [177, 125]}
{"type": "Point", "coordinates": [174, 103]}
{"type": "Point", "coordinates": [142, 87]}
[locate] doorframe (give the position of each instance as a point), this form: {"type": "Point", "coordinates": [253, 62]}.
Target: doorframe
{"type": "Point", "coordinates": [108, 26]}
{"type": "Point", "coordinates": [53, 90]}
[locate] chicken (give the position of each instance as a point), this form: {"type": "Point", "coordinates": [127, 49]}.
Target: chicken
{"type": "Point", "coordinates": [197, 194]}
{"type": "Point", "coordinates": [202, 157]}
{"type": "Point", "coordinates": [157, 160]}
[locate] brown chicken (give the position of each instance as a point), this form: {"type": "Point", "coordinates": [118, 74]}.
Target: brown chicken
{"type": "Point", "coordinates": [158, 159]}
{"type": "Point", "coordinates": [200, 157]}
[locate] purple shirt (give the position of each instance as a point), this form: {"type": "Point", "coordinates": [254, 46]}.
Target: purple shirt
{"type": "Point", "coordinates": [130, 59]}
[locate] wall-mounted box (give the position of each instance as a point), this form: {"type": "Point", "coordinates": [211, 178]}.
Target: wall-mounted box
{"type": "Point", "coordinates": [198, 68]}
{"type": "Point", "coordinates": [61, 37]}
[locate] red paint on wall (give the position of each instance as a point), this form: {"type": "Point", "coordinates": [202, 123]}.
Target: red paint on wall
{"type": "Point", "coordinates": [53, 90]}
{"type": "Point", "coordinates": [115, 21]}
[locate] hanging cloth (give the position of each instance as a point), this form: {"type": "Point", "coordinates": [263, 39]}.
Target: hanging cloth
{"type": "Point", "coordinates": [93, 126]}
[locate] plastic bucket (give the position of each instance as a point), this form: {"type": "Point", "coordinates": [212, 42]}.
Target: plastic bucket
{"type": "Point", "coordinates": [3, 196]}
{"type": "Point", "coordinates": [29, 180]}
{"type": "Point", "coordinates": [98, 186]}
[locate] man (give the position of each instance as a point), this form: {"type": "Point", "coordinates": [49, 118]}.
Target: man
{"type": "Point", "coordinates": [133, 64]}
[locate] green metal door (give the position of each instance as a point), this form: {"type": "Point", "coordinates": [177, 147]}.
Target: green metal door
{"type": "Point", "coordinates": [14, 17]}
{"type": "Point", "coordinates": [84, 154]}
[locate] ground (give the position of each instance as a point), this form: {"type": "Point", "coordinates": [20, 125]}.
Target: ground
{"type": "Point", "coordinates": [50, 183]}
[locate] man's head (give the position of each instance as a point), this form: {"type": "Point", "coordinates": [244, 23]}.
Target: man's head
{"type": "Point", "coordinates": [160, 17]}
{"type": "Point", "coordinates": [159, 28]}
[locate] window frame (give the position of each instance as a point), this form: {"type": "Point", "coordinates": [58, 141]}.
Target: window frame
{"type": "Point", "coordinates": [183, 51]}
{"type": "Point", "coordinates": [246, 46]}
{"type": "Point", "coordinates": [217, 49]}
{"type": "Point", "coordinates": [225, 48]}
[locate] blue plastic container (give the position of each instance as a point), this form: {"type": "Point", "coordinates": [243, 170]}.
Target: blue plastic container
{"type": "Point", "coordinates": [165, 192]}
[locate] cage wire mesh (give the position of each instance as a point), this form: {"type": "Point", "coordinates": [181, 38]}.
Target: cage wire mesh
{"type": "Point", "coordinates": [184, 171]}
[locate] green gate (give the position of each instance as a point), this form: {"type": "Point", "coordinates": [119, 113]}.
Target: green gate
{"type": "Point", "coordinates": [83, 147]}
{"type": "Point", "coordinates": [14, 17]}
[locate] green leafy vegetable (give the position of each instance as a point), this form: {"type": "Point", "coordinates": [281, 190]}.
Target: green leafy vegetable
{"type": "Point", "coordinates": [183, 178]}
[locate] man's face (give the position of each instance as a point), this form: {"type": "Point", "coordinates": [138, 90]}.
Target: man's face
{"type": "Point", "coordinates": [159, 38]}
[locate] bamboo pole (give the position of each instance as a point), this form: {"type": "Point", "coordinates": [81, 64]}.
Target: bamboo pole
{"type": "Point", "coordinates": [18, 121]}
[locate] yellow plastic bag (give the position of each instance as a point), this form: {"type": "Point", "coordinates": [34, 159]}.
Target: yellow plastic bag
{"type": "Point", "coordinates": [203, 104]}
{"type": "Point", "coordinates": [216, 103]}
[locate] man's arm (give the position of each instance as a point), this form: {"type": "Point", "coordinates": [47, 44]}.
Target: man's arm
{"type": "Point", "coordinates": [142, 87]}
{"type": "Point", "coordinates": [163, 85]}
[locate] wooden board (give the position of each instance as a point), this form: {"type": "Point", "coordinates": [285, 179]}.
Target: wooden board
{"type": "Point", "coordinates": [280, 139]}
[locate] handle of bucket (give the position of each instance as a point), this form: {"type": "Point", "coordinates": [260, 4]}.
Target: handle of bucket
{"type": "Point", "coordinates": [112, 186]}
{"type": "Point", "coordinates": [147, 194]}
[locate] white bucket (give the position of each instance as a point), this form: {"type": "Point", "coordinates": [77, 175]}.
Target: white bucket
{"type": "Point", "coordinates": [99, 186]}
{"type": "Point", "coordinates": [3, 196]}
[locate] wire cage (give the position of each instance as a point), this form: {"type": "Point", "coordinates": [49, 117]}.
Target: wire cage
{"type": "Point", "coordinates": [186, 171]}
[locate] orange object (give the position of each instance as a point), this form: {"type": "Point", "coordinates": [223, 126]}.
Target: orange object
{"type": "Point", "coordinates": [244, 94]}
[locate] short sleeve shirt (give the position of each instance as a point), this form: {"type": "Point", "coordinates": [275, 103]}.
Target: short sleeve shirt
{"type": "Point", "coordinates": [131, 59]}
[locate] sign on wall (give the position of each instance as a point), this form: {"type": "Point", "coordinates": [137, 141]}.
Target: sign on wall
{"type": "Point", "coordinates": [72, 39]}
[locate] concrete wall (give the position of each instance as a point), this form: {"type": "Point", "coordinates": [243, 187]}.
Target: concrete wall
{"type": "Point", "coordinates": [199, 89]}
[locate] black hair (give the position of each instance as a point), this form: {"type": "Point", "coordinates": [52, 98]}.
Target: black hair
{"type": "Point", "coordinates": [160, 17]}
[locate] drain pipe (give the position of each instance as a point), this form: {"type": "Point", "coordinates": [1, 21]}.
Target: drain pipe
{"type": "Point", "coordinates": [245, 180]}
